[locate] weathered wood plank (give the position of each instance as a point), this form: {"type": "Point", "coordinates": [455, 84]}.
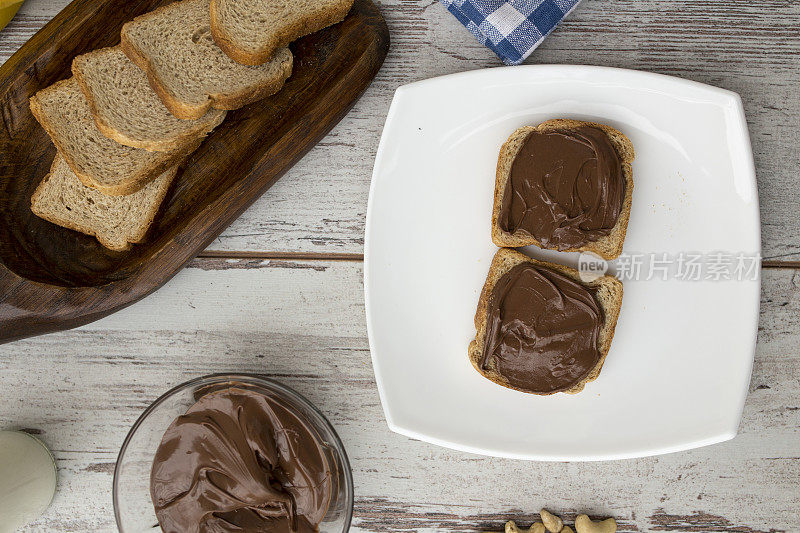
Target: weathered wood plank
{"type": "Point", "coordinates": [749, 46]}
{"type": "Point", "coordinates": [303, 322]}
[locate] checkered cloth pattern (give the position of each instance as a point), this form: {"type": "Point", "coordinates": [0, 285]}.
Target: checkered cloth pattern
{"type": "Point", "coordinates": [511, 28]}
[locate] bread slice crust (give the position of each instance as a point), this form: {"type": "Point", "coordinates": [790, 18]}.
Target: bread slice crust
{"type": "Point", "coordinates": [66, 218]}
{"type": "Point", "coordinates": [184, 135]}
{"type": "Point", "coordinates": [155, 165]}
{"type": "Point", "coordinates": [608, 295]}
{"type": "Point", "coordinates": [609, 246]}
{"type": "Point", "coordinates": [280, 33]}
{"type": "Point", "coordinates": [213, 99]}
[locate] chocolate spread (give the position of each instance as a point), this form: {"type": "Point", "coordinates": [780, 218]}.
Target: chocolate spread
{"type": "Point", "coordinates": [242, 461]}
{"type": "Point", "coordinates": [542, 329]}
{"type": "Point", "coordinates": [566, 188]}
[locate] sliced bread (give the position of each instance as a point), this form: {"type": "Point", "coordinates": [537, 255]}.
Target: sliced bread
{"type": "Point", "coordinates": [98, 161]}
{"type": "Point", "coordinates": [250, 31]}
{"type": "Point", "coordinates": [125, 108]}
{"type": "Point", "coordinates": [608, 295]}
{"type": "Point", "coordinates": [116, 221]}
{"type": "Point", "coordinates": [190, 73]}
{"type": "Point", "coordinates": [609, 246]}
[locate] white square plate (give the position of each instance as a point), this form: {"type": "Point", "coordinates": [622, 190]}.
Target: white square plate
{"type": "Point", "coordinates": [679, 367]}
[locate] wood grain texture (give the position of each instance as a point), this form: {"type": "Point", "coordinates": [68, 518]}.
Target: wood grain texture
{"type": "Point", "coordinates": [303, 323]}
{"type": "Point", "coordinates": [749, 46]}
{"type": "Point", "coordinates": [53, 278]}
{"type": "Point", "coordinates": [256, 303]}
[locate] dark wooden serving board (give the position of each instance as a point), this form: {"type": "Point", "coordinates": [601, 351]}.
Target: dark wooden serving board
{"type": "Point", "coordinates": [52, 278]}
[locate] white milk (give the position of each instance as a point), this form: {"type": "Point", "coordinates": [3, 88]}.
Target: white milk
{"type": "Point", "coordinates": [27, 479]}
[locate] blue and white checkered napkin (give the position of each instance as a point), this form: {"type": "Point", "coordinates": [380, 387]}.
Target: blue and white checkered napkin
{"type": "Point", "coordinates": [511, 28]}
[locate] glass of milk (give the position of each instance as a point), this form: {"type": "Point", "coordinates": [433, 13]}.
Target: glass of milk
{"type": "Point", "coordinates": [27, 479]}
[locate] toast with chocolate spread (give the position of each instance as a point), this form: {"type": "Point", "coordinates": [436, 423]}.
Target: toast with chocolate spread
{"type": "Point", "coordinates": [564, 185]}
{"type": "Point", "coordinates": [540, 328]}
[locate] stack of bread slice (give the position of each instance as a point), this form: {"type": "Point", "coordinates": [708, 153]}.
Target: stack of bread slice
{"type": "Point", "coordinates": [131, 114]}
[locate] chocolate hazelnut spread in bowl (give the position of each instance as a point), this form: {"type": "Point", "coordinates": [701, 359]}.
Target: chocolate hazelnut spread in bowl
{"type": "Point", "coordinates": [232, 452]}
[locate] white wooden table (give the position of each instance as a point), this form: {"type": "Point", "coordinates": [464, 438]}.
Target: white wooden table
{"type": "Point", "coordinates": [280, 293]}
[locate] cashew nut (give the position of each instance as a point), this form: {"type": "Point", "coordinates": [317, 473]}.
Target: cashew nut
{"type": "Point", "coordinates": [511, 527]}
{"type": "Point", "coordinates": [584, 524]}
{"type": "Point", "coordinates": [567, 529]}
{"type": "Point", "coordinates": [553, 523]}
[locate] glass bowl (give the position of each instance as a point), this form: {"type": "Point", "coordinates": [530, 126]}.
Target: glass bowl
{"type": "Point", "coordinates": [133, 507]}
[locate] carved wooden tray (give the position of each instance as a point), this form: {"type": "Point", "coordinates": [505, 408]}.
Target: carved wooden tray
{"type": "Point", "coordinates": [52, 278]}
